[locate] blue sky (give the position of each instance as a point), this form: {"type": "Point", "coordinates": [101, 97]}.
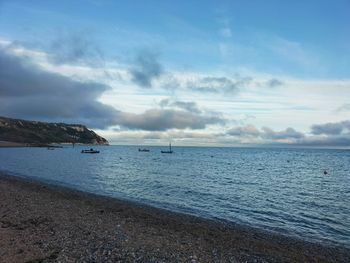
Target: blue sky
{"type": "Point", "coordinates": [187, 51]}
{"type": "Point", "coordinates": [188, 32]}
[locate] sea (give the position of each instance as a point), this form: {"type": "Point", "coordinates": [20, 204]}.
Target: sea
{"type": "Point", "coordinates": [284, 191]}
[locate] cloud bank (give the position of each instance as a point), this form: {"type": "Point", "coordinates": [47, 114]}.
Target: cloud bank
{"type": "Point", "coordinates": [165, 119]}
{"type": "Point", "coordinates": [267, 134]}
{"type": "Point", "coordinates": [328, 134]}
{"type": "Point", "coordinates": [332, 128]}
{"type": "Point", "coordinates": [27, 91]}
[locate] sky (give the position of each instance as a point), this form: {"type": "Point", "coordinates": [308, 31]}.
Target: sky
{"type": "Point", "coordinates": [211, 73]}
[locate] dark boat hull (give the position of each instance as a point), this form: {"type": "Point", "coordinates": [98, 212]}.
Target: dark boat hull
{"type": "Point", "coordinates": [88, 151]}
{"type": "Point", "coordinates": [143, 150]}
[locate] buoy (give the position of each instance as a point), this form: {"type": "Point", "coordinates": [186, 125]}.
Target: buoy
{"type": "Point", "coordinates": [325, 172]}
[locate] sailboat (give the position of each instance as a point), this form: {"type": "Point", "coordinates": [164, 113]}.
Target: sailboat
{"type": "Point", "coordinates": [170, 151]}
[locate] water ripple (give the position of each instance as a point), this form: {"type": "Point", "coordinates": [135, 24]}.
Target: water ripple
{"type": "Point", "coordinates": [281, 190]}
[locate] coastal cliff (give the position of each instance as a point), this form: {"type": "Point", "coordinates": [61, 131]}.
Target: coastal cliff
{"type": "Point", "coordinates": [40, 133]}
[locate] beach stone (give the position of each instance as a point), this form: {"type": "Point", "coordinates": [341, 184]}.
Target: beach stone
{"type": "Point", "coordinates": [60, 225]}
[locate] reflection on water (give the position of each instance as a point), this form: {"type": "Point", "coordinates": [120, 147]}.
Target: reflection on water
{"type": "Point", "coordinates": [283, 190]}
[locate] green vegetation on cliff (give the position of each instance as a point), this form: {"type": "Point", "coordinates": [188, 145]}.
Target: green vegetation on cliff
{"type": "Point", "coordinates": [34, 132]}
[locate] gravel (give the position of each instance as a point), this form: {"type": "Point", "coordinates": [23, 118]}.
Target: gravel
{"type": "Point", "coordinates": [44, 223]}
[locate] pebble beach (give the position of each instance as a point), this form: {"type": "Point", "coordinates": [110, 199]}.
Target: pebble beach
{"type": "Point", "coordinates": [46, 223]}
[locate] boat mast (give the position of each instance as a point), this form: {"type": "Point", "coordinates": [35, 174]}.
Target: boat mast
{"type": "Point", "coordinates": [170, 146]}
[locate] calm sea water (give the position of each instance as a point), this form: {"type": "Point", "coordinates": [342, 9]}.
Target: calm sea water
{"type": "Point", "coordinates": [280, 190]}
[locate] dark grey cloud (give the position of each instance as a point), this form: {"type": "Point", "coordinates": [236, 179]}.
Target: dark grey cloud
{"type": "Point", "coordinates": [165, 119]}
{"type": "Point", "coordinates": [288, 133]}
{"type": "Point", "coordinates": [323, 135]}
{"type": "Point", "coordinates": [244, 131]}
{"type": "Point", "coordinates": [146, 69]}
{"type": "Point", "coordinates": [265, 133]}
{"type": "Point", "coordinates": [75, 48]}
{"type": "Point", "coordinates": [26, 91]}
{"type": "Point", "coordinates": [332, 128]}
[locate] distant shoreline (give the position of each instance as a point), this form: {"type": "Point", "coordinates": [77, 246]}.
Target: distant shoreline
{"type": "Point", "coordinates": [41, 221]}
{"type": "Point", "coordinates": [12, 144]}
{"type": "Point", "coordinates": [7, 144]}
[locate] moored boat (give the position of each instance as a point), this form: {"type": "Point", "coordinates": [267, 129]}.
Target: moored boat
{"type": "Point", "coordinates": [170, 150]}
{"type": "Point", "coordinates": [143, 150]}
{"type": "Point", "coordinates": [90, 151]}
